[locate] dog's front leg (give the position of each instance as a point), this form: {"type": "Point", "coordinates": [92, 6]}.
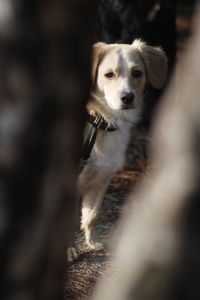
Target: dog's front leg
{"type": "Point", "coordinates": [91, 204]}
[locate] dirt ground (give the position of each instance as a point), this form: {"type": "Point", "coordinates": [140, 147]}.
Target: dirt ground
{"type": "Point", "coordinates": [83, 273]}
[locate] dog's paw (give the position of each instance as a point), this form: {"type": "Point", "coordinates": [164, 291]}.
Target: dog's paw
{"type": "Point", "coordinates": [95, 245]}
{"type": "Point", "coordinates": [71, 254]}
{"type": "Point", "coordinates": [93, 241]}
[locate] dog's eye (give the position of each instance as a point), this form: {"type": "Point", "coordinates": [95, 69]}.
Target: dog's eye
{"type": "Point", "coordinates": [109, 75]}
{"type": "Point", "coordinates": [136, 73]}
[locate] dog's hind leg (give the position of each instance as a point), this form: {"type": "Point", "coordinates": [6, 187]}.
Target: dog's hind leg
{"type": "Point", "coordinates": [91, 205]}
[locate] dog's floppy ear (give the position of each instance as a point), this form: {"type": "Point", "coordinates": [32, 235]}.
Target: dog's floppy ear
{"type": "Point", "coordinates": [98, 53]}
{"type": "Point", "coordinates": [155, 62]}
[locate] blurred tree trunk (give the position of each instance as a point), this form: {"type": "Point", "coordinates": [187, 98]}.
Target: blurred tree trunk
{"type": "Point", "coordinates": [44, 83]}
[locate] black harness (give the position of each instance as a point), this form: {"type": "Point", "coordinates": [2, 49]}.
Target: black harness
{"type": "Point", "coordinates": [97, 123]}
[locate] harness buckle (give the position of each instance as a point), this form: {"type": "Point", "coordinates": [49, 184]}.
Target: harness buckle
{"type": "Point", "coordinates": [98, 121]}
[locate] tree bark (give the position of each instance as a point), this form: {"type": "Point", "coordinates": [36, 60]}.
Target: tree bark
{"type": "Point", "coordinates": [44, 74]}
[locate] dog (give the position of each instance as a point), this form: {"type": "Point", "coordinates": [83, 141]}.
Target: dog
{"type": "Point", "coordinates": [119, 75]}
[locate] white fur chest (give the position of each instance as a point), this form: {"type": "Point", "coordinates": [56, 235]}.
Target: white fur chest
{"type": "Point", "coordinates": [109, 149]}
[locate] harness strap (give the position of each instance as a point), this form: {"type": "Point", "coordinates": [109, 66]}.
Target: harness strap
{"type": "Point", "coordinates": [103, 124]}
{"type": "Point", "coordinates": [97, 122]}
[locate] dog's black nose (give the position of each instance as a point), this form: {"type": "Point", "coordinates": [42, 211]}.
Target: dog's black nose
{"type": "Point", "coordinates": [127, 98]}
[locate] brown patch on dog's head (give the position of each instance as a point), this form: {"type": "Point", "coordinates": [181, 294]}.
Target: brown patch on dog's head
{"type": "Point", "coordinates": [155, 62]}
{"type": "Point", "coordinates": [99, 50]}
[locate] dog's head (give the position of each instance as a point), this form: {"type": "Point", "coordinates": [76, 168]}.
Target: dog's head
{"type": "Point", "coordinates": [120, 72]}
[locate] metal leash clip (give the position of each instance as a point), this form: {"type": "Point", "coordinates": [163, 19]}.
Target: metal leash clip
{"type": "Point", "coordinates": [97, 122]}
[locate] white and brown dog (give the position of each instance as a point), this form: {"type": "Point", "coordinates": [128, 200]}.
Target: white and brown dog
{"type": "Point", "coordinates": [119, 73]}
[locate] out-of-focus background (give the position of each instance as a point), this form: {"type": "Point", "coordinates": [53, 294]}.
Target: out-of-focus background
{"type": "Point", "coordinates": [45, 51]}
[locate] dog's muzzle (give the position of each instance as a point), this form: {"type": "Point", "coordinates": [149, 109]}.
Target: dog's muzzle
{"type": "Point", "coordinates": [128, 100]}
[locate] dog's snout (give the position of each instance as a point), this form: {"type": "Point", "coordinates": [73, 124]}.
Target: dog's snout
{"type": "Point", "coordinates": [127, 98]}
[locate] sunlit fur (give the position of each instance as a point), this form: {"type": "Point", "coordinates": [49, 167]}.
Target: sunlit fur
{"type": "Point", "coordinates": [106, 100]}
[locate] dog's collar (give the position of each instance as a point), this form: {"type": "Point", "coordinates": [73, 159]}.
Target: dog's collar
{"type": "Point", "coordinates": [99, 122]}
